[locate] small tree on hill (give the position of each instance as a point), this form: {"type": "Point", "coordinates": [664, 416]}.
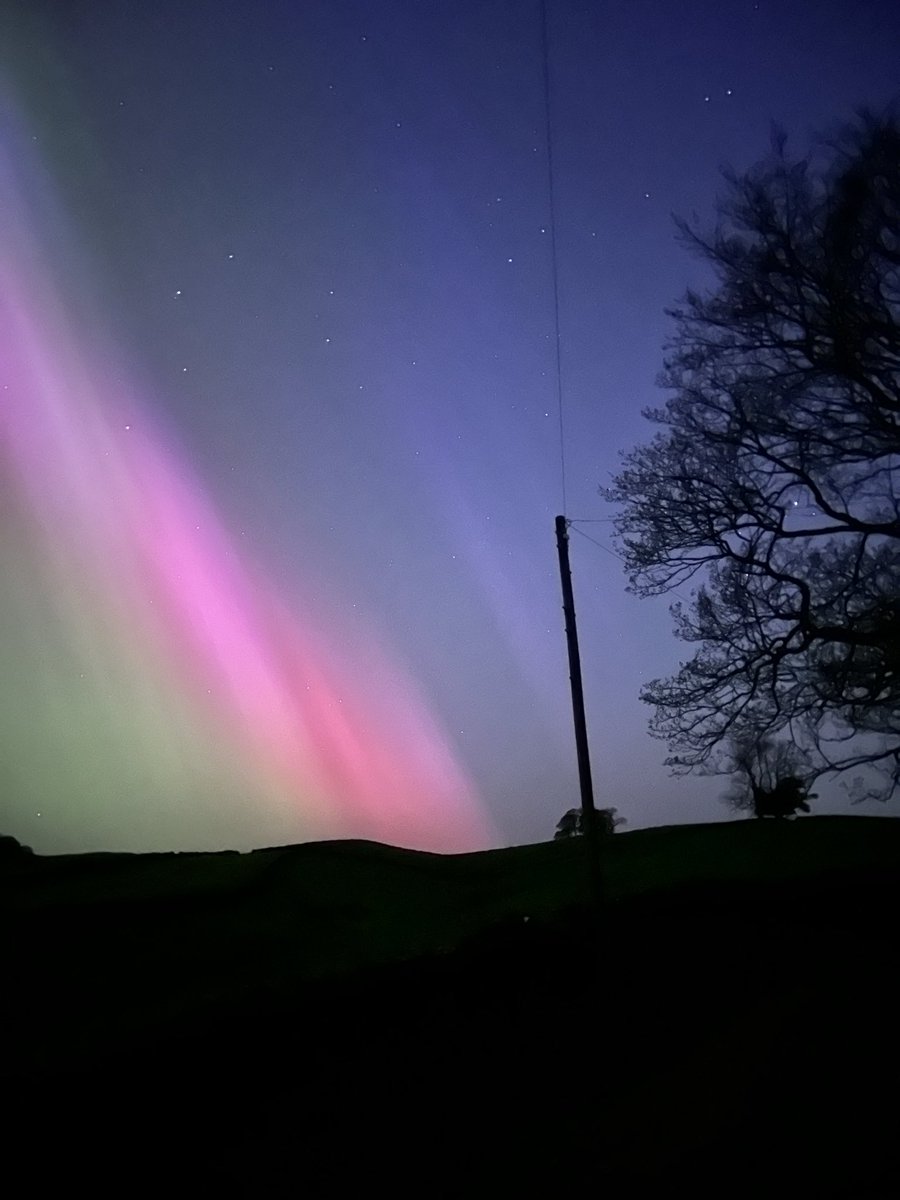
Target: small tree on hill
{"type": "Point", "coordinates": [572, 823]}
{"type": "Point", "coordinates": [771, 777]}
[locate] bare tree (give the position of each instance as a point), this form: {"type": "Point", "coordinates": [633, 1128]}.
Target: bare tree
{"type": "Point", "coordinates": [771, 777]}
{"type": "Point", "coordinates": [773, 482]}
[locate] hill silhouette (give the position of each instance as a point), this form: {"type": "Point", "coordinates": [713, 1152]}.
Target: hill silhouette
{"type": "Point", "coordinates": [322, 1015]}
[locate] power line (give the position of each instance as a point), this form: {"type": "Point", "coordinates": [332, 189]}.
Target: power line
{"type": "Point", "coordinates": [596, 543]}
{"type": "Point", "coordinates": [621, 558]}
{"type": "Point", "coordinates": [555, 270]}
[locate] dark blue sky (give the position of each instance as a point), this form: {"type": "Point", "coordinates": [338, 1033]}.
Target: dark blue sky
{"type": "Point", "coordinates": [319, 232]}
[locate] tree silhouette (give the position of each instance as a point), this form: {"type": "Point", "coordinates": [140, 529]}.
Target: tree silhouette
{"type": "Point", "coordinates": [773, 482]}
{"type": "Point", "coordinates": [771, 777]}
{"type": "Point", "coordinates": [11, 849]}
{"type": "Point", "coordinates": [571, 824]}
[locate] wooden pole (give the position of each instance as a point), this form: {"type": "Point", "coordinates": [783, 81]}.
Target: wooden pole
{"type": "Point", "coordinates": [589, 821]}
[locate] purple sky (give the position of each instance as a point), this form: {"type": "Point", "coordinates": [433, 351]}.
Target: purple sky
{"type": "Point", "coordinates": [320, 233]}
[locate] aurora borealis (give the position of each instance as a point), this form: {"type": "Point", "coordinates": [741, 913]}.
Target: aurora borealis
{"type": "Point", "coordinates": [157, 678]}
{"type": "Point", "coordinates": [279, 448]}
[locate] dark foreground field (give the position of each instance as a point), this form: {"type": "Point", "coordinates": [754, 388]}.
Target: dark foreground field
{"type": "Point", "coordinates": [316, 1019]}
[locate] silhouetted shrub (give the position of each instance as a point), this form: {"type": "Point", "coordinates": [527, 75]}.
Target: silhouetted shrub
{"type": "Point", "coordinates": [572, 823]}
{"type": "Point", "coordinates": [11, 849]}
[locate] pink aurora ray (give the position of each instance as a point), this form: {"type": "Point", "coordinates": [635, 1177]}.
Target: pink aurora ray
{"type": "Point", "coordinates": [350, 743]}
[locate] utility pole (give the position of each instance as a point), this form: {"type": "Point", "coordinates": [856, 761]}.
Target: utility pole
{"type": "Point", "coordinates": [588, 811]}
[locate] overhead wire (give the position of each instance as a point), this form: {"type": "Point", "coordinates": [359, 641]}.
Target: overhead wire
{"type": "Point", "coordinates": [574, 527]}
{"type": "Point", "coordinates": [545, 45]}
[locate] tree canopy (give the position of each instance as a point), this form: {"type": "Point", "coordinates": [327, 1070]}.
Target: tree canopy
{"type": "Point", "coordinates": [770, 777]}
{"type": "Point", "coordinates": [772, 483]}
{"type": "Point", "coordinates": [571, 823]}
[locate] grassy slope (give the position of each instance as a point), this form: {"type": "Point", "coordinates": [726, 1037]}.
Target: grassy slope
{"type": "Point", "coordinates": [149, 935]}
{"type": "Point", "coordinates": [735, 962]}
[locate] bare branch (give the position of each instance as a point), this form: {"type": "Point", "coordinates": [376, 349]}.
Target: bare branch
{"type": "Point", "coordinates": [773, 481]}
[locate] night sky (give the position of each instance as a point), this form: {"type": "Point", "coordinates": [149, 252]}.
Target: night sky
{"type": "Point", "coordinates": [280, 447]}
